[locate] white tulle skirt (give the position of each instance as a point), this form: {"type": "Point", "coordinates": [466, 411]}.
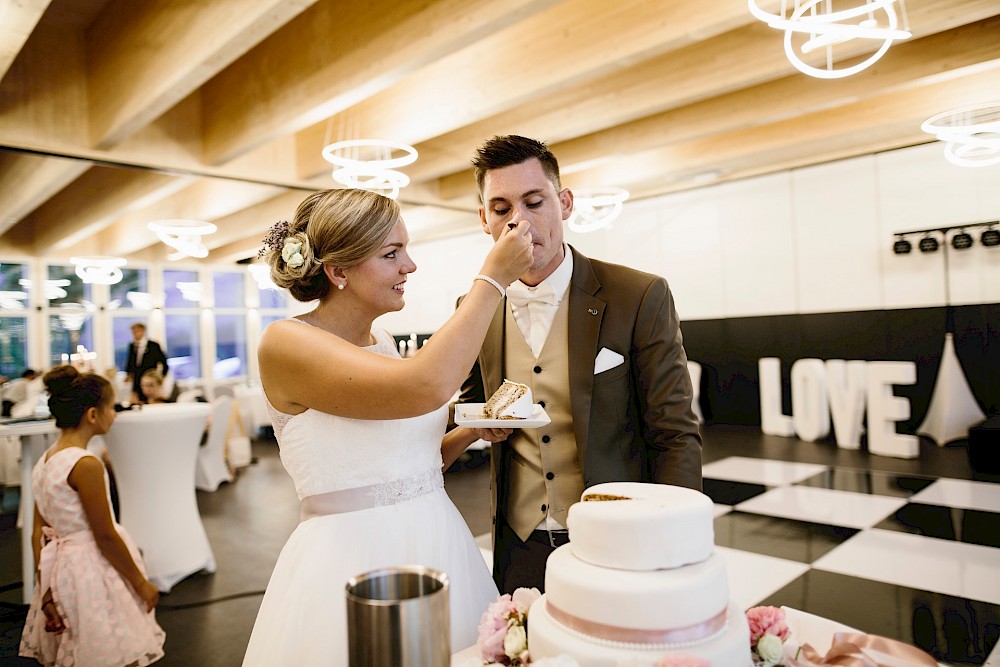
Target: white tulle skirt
{"type": "Point", "coordinates": [303, 617]}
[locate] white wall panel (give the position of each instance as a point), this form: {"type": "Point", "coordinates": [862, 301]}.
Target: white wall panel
{"type": "Point", "coordinates": [690, 231]}
{"type": "Point", "coordinates": [837, 238]}
{"type": "Point", "coordinates": [758, 260]}
{"type": "Point", "coordinates": [444, 273]}
{"type": "Point", "coordinates": [812, 240]}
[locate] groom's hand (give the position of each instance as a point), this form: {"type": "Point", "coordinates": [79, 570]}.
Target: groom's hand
{"type": "Point", "coordinates": [493, 434]}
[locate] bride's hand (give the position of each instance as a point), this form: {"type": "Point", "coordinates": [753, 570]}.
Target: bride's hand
{"type": "Point", "coordinates": [511, 255]}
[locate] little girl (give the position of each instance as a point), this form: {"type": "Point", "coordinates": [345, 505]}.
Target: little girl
{"type": "Point", "coordinates": [92, 604]}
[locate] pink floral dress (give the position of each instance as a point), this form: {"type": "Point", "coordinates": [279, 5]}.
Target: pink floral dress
{"type": "Point", "coordinates": [106, 623]}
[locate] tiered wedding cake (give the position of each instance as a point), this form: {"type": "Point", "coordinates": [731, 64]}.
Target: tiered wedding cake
{"type": "Point", "coordinates": [639, 580]}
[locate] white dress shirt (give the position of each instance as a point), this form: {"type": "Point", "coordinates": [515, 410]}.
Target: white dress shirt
{"type": "Point", "coordinates": [534, 308]}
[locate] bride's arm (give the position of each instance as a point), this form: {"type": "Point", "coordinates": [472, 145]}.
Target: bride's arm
{"type": "Point", "coordinates": [307, 366]}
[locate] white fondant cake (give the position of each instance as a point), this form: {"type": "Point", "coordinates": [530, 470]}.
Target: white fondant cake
{"type": "Point", "coordinates": [511, 401]}
{"type": "Point", "coordinates": [639, 580]}
{"type": "Point", "coordinates": [658, 526]}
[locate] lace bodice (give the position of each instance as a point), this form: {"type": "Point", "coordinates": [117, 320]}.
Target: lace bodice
{"type": "Point", "coordinates": [324, 452]}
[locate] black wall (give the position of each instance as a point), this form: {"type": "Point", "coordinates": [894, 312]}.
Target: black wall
{"type": "Point", "coordinates": [729, 350]}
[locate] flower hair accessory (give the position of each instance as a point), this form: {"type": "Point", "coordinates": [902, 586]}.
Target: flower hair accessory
{"type": "Point", "coordinates": [275, 239]}
{"type": "Point", "coordinates": [291, 252]}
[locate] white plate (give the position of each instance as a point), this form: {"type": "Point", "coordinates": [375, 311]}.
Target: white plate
{"type": "Point", "coordinates": [469, 415]}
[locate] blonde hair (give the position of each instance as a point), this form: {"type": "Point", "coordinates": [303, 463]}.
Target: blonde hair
{"type": "Point", "coordinates": [338, 227]}
{"type": "Point", "coordinates": [154, 375]}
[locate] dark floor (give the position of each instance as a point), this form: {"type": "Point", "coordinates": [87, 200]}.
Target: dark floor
{"type": "Point", "coordinates": [208, 618]}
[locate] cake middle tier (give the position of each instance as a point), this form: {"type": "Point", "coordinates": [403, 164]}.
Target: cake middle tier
{"type": "Point", "coordinates": [653, 600]}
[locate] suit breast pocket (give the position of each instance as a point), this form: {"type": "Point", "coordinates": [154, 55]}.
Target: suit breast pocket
{"type": "Point", "coordinates": [612, 374]}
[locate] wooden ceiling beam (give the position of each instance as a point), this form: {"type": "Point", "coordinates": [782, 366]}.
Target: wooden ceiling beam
{"type": "Point", "coordinates": [205, 199]}
{"type": "Point", "coordinates": [335, 55]}
{"type": "Point", "coordinates": [17, 21]}
{"type": "Point", "coordinates": [882, 122]}
{"type": "Point", "coordinates": [86, 206]}
{"type": "Point", "coordinates": [539, 56]}
{"type": "Point", "coordinates": [950, 54]}
{"type": "Point", "coordinates": [165, 50]}
{"type": "Point", "coordinates": [28, 181]}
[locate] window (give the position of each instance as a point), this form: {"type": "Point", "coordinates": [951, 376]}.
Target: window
{"type": "Point", "coordinates": [133, 280]}
{"type": "Point", "coordinates": [13, 345]}
{"type": "Point", "coordinates": [68, 332]}
{"type": "Point", "coordinates": [228, 290]}
{"type": "Point", "coordinates": [179, 289]}
{"type": "Point", "coordinates": [183, 346]}
{"type": "Point", "coordinates": [272, 299]}
{"type": "Point", "coordinates": [230, 346]}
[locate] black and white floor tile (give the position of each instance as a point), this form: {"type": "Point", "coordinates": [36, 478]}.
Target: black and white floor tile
{"type": "Point", "coordinates": [903, 556]}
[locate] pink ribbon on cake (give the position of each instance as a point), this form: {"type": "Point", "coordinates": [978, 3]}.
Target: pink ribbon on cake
{"type": "Point", "coordinates": [848, 650]}
{"type": "Point", "coordinates": [614, 633]}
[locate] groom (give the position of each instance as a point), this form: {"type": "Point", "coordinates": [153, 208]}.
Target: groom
{"type": "Point", "coordinates": [600, 346]}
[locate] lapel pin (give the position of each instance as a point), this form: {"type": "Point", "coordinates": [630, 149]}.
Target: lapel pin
{"type": "Point", "coordinates": [592, 311]}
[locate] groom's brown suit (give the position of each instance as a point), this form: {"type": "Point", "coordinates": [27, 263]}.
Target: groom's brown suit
{"type": "Point", "coordinates": [631, 423]}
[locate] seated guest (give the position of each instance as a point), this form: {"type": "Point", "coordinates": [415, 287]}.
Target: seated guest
{"type": "Point", "coordinates": [151, 385]}
{"type": "Point", "coordinates": [17, 390]}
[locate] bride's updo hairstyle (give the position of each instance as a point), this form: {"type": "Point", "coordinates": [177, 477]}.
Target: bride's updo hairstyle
{"type": "Point", "coordinates": [72, 393]}
{"type": "Point", "coordinates": [341, 227]}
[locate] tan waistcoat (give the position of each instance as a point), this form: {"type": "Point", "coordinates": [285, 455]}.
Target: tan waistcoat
{"type": "Point", "coordinates": [544, 475]}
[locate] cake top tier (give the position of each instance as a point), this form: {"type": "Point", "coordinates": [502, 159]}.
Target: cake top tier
{"type": "Point", "coordinates": [637, 526]}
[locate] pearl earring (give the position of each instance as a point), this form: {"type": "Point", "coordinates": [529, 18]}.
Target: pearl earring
{"type": "Point", "coordinates": [341, 285]}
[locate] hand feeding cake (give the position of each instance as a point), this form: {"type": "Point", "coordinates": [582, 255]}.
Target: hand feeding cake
{"type": "Point", "coordinates": [511, 401]}
{"type": "Point", "coordinates": [639, 580]}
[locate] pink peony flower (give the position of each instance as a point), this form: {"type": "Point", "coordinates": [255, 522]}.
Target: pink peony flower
{"type": "Point", "coordinates": [493, 629]}
{"type": "Point", "coordinates": [683, 661]}
{"type": "Point", "coordinates": [766, 620]}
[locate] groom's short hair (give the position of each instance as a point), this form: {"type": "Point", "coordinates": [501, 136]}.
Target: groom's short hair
{"type": "Point", "coordinates": [511, 149]}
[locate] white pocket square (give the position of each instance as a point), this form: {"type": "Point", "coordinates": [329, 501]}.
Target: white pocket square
{"type": "Point", "coordinates": [606, 360]}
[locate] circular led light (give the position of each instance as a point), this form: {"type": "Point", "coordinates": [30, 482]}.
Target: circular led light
{"type": "Point", "coordinates": [334, 153]}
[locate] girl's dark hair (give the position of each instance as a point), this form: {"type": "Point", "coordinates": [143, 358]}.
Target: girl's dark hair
{"type": "Point", "coordinates": [72, 393]}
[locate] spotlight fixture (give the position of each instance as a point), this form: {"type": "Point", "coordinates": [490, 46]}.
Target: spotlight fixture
{"type": "Point", "coordinates": [928, 244]}
{"type": "Point", "coordinates": [961, 241]}
{"type": "Point", "coordinates": [902, 246]}
{"type": "Point", "coordinates": [990, 237]}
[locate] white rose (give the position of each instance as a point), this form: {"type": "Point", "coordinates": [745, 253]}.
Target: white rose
{"type": "Point", "coordinates": [292, 253]}
{"type": "Point", "coordinates": [769, 649]}
{"type": "Point", "coordinates": [515, 642]}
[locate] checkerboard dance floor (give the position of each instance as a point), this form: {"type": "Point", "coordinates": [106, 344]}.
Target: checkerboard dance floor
{"type": "Point", "coordinates": [907, 557]}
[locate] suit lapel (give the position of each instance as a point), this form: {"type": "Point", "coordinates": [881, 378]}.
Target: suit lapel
{"type": "Point", "coordinates": [585, 315]}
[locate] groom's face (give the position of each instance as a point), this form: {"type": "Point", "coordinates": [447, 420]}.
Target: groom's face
{"type": "Point", "coordinates": [524, 192]}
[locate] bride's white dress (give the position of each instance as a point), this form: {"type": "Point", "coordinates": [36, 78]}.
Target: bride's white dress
{"type": "Point", "coordinates": [303, 618]}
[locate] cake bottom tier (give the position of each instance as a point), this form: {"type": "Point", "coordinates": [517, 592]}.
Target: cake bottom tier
{"type": "Point", "coordinates": [547, 638]}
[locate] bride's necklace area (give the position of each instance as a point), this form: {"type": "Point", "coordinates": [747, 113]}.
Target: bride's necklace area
{"type": "Point", "coordinates": [311, 319]}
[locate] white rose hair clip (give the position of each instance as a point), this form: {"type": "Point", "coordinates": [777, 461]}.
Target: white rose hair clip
{"type": "Point", "coordinates": [278, 240]}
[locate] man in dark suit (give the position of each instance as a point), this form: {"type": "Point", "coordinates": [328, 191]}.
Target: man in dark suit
{"type": "Point", "coordinates": [599, 344]}
{"type": "Point", "coordinates": [143, 355]}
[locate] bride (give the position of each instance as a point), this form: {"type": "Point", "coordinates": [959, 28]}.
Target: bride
{"type": "Point", "coordinates": [361, 431]}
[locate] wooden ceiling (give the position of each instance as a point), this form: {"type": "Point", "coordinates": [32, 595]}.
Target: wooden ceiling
{"type": "Point", "coordinates": [114, 113]}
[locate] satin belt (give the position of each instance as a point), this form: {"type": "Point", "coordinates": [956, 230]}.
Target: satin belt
{"type": "Point", "coordinates": [357, 499]}
{"type": "Point", "coordinates": [48, 557]}
{"type": "Point", "coordinates": [614, 633]}
{"type": "Point", "coordinates": [851, 649]}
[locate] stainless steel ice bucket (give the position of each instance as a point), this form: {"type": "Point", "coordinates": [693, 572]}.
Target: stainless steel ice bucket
{"type": "Point", "coordinates": [398, 617]}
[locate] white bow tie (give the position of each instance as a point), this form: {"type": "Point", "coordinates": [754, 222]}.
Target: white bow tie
{"type": "Point", "coordinates": [521, 295]}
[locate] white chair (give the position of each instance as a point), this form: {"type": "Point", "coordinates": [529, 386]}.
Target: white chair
{"type": "Point", "coordinates": [212, 470]}
{"type": "Point", "coordinates": [189, 396]}
{"type": "Point", "coordinates": [154, 454]}
{"type": "Point", "coordinates": [253, 408]}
